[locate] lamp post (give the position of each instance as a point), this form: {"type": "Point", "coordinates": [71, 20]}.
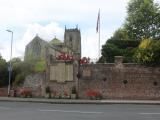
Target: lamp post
{"type": "Point", "coordinates": [10, 66]}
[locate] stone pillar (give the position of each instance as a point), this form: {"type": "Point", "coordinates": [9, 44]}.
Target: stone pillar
{"type": "Point", "coordinates": [118, 61]}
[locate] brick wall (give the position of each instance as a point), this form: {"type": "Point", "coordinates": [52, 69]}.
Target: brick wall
{"type": "Point", "coordinates": [120, 81]}
{"type": "Point", "coordinates": [3, 92]}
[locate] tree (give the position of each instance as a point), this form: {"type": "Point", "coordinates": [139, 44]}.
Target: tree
{"type": "Point", "coordinates": [16, 60]}
{"type": "Point", "coordinates": [148, 53]}
{"type": "Point", "coordinates": [23, 68]}
{"type": "Point", "coordinates": [20, 69]}
{"type": "Point", "coordinates": [120, 34]}
{"type": "Point", "coordinates": [143, 20]}
{"type": "Point", "coordinates": [109, 51]}
{"type": "Point", "coordinates": [125, 48]}
{"type": "Point", "coordinates": [3, 72]}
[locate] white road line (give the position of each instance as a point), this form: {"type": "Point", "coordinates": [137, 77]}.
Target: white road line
{"type": "Point", "coordinates": [149, 113]}
{"type": "Point", "coordinates": [4, 108]}
{"type": "Point", "coordinates": [66, 111]}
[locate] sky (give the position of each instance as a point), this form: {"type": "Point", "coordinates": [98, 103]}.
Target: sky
{"type": "Point", "coordinates": [48, 18]}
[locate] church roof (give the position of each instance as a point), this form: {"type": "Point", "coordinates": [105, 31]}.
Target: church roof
{"type": "Point", "coordinates": [37, 39]}
{"type": "Point", "coordinates": [55, 41]}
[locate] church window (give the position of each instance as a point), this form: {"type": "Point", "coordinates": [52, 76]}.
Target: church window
{"type": "Point", "coordinates": [70, 41]}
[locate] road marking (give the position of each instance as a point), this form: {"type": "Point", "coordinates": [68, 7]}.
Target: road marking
{"type": "Point", "coordinates": [66, 111]}
{"type": "Point", "coordinates": [149, 113]}
{"type": "Point", "coordinates": [4, 108]}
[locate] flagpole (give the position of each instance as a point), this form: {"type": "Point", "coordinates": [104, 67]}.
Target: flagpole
{"type": "Point", "coordinates": [99, 33]}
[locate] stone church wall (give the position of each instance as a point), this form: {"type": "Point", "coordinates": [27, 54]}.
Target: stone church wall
{"type": "Point", "coordinates": [61, 90]}
{"type": "Point", "coordinates": [120, 81]}
{"type": "Point", "coordinates": [36, 83]}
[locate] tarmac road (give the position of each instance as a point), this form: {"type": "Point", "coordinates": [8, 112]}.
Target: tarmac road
{"type": "Point", "coordinates": [45, 111]}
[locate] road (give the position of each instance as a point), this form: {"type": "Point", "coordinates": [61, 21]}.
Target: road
{"type": "Point", "coordinates": [44, 111]}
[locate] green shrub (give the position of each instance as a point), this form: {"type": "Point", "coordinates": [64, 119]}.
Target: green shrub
{"type": "Point", "coordinates": [18, 79]}
{"type": "Point", "coordinates": [148, 53]}
{"type": "Point", "coordinates": [40, 66]}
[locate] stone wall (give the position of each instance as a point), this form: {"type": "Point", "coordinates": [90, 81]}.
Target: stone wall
{"type": "Point", "coordinates": [120, 81]}
{"type": "Point", "coordinates": [36, 83]}
{"type": "Point", "coordinates": [61, 77]}
{"type": "Point", "coordinates": [61, 71]}
{"type": "Point", "coordinates": [61, 90]}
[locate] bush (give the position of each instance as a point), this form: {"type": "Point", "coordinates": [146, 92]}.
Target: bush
{"type": "Point", "coordinates": [40, 66]}
{"type": "Point", "coordinates": [18, 79]}
{"type": "Point", "coordinates": [148, 53]}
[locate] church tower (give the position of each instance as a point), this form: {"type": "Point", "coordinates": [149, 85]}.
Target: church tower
{"type": "Point", "coordinates": [72, 39]}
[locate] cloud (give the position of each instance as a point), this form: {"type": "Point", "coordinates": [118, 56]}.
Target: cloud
{"type": "Point", "coordinates": [46, 32]}
{"type": "Point", "coordinates": [20, 12]}
{"type": "Point", "coordinates": [30, 17]}
{"type": "Point", "coordinates": [1, 47]}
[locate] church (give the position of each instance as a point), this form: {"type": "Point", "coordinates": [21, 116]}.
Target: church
{"type": "Point", "coordinates": [61, 60]}
{"type": "Point", "coordinates": [65, 75]}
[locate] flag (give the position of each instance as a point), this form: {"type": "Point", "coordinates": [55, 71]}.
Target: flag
{"type": "Point", "coordinates": [98, 22]}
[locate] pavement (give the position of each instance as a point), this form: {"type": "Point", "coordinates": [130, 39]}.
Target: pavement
{"type": "Point", "coordinates": [78, 101]}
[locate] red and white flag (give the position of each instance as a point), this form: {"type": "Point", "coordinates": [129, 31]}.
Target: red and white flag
{"type": "Point", "coordinates": [98, 22]}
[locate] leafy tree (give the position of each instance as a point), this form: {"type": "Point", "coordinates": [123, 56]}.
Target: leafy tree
{"type": "Point", "coordinates": [109, 51]}
{"type": "Point", "coordinates": [20, 70]}
{"type": "Point", "coordinates": [19, 78]}
{"type": "Point", "coordinates": [148, 53]}
{"type": "Point", "coordinates": [120, 34]}
{"type": "Point", "coordinates": [3, 72]}
{"type": "Point", "coordinates": [143, 20]}
{"type": "Point", "coordinates": [16, 60]}
{"type": "Point", "coordinates": [125, 48]}
{"type": "Point", "coordinates": [23, 68]}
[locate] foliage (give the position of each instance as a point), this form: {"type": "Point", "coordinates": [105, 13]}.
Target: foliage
{"type": "Point", "coordinates": [3, 72]}
{"type": "Point", "coordinates": [120, 34]}
{"type": "Point", "coordinates": [143, 20]}
{"type": "Point", "coordinates": [23, 68]}
{"type": "Point", "coordinates": [109, 51]}
{"type": "Point", "coordinates": [19, 78]}
{"type": "Point", "coordinates": [40, 66]}
{"type": "Point", "coordinates": [101, 60]}
{"type": "Point", "coordinates": [148, 53]}
{"type": "Point", "coordinates": [16, 60]}
{"type": "Point", "coordinates": [20, 70]}
{"type": "Point", "coordinates": [125, 48]}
